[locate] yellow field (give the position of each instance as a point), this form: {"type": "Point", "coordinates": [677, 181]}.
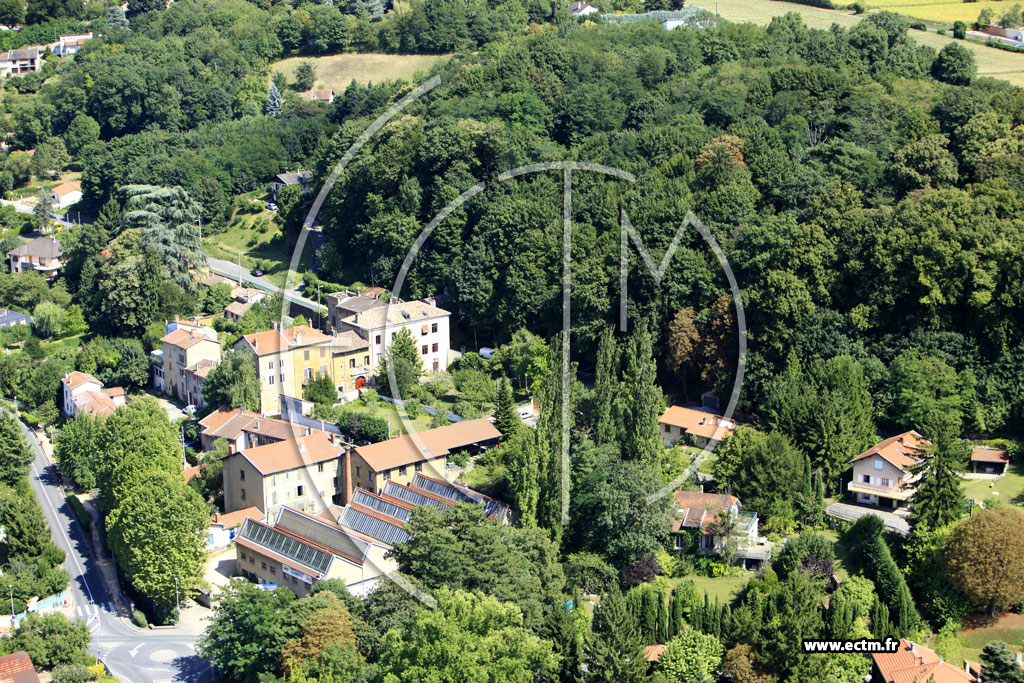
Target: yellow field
{"type": "Point", "coordinates": [337, 71]}
{"type": "Point", "coordinates": [948, 12]}
{"type": "Point", "coordinates": [991, 61]}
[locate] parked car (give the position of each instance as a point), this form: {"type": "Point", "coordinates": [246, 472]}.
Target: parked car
{"type": "Point", "coordinates": [486, 353]}
{"type": "Point", "coordinates": [256, 272]}
{"type": "Point", "coordinates": [271, 206]}
{"type": "Point", "coordinates": [363, 442]}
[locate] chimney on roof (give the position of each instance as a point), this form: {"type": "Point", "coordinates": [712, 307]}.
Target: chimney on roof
{"type": "Point", "coordinates": [347, 491]}
{"type": "Point", "coordinates": [257, 424]}
{"type": "Point", "coordinates": [308, 431]}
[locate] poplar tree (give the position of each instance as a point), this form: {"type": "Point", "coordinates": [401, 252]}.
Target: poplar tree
{"type": "Point", "coordinates": [642, 400]}
{"type": "Point", "coordinates": [606, 389]}
{"type": "Point", "coordinates": [550, 432]}
{"type": "Point", "coordinates": [506, 419]}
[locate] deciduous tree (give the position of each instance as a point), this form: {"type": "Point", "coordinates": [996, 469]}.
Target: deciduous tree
{"type": "Point", "coordinates": [983, 558]}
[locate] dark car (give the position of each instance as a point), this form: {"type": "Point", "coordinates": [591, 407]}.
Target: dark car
{"type": "Point", "coordinates": [256, 272]}
{"type": "Point", "coordinates": [364, 442]}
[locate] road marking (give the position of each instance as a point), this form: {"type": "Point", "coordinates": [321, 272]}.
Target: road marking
{"type": "Point", "coordinates": [134, 649]}
{"type": "Point", "coordinates": [67, 539]}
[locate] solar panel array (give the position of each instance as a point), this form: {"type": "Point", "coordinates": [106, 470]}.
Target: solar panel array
{"type": "Point", "coordinates": [373, 502]}
{"type": "Point", "coordinates": [320, 532]}
{"type": "Point", "coordinates": [373, 527]}
{"type": "Point", "coordinates": [269, 538]}
{"type": "Point", "coordinates": [439, 489]}
{"type": "Point", "coordinates": [410, 496]}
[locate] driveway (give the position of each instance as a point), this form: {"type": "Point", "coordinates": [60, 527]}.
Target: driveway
{"type": "Point", "coordinates": [852, 513]}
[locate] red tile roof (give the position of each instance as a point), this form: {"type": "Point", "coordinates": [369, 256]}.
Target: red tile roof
{"type": "Point", "coordinates": [695, 509]}
{"type": "Point", "coordinates": [988, 454]}
{"type": "Point", "coordinates": [913, 663]}
{"type": "Point", "coordinates": [17, 668]}
{"type": "Point", "coordinates": [230, 520]}
{"type": "Point", "coordinates": [652, 653]}
{"type": "Point", "coordinates": [75, 379]}
{"type": "Point", "coordinates": [903, 450]}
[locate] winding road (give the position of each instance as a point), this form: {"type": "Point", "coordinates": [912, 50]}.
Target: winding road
{"type": "Point", "coordinates": [132, 655]}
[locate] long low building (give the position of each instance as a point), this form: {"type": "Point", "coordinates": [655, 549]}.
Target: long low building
{"type": "Point", "coordinates": [402, 458]}
{"type": "Point", "coordinates": [300, 549]}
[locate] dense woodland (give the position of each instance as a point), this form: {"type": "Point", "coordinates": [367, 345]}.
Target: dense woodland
{"type": "Point", "coordinates": [867, 193]}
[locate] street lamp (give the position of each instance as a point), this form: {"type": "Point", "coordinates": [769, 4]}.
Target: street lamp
{"type": "Point", "coordinates": [177, 601]}
{"type": "Point", "coordinates": [10, 587]}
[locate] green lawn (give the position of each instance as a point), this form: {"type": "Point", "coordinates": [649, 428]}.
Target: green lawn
{"type": "Point", "coordinates": [259, 241]}
{"type": "Point", "coordinates": [338, 71]}
{"type": "Point", "coordinates": [724, 588]}
{"type": "Point", "coordinates": [1009, 489]}
{"type": "Point", "coordinates": [387, 410]}
{"type": "Point", "coordinates": [974, 640]}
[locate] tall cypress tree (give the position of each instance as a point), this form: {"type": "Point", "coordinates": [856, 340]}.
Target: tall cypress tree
{"type": "Point", "coordinates": [650, 616]}
{"type": "Point", "coordinates": [881, 627]}
{"type": "Point", "coordinates": [662, 635]}
{"type": "Point", "coordinates": [522, 460]}
{"type": "Point", "coordinates": [607, 390]}
{"type": "Point", "coordinates": [678, 612]}
{"type": "Point", "coordinates": [616, 654]}
{"type": "Point", "coordinates": [552, 430]}
{"type": "Point", "coordinates": [642, 402]}
{"type": "Point", "coordinates": [806, 492]}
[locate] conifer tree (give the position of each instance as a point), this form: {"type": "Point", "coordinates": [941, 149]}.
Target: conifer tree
{"type": "Point", "coordinates": [642, 400]}
{"type": "Point", "coordinates": [607, 392]}
{"type": "Point", "coordinates": [617, 652]}
{"type": "Point", "coordinates": [506, 419]}
{"type": "Point", "coordinates": [551, 431]}
{"type": "Point", "coordinates": [662, 634]}
{"type": "Point", "coordinates": [273, 104]}
{"type": "Point", "coordinates": [939, 500]}
{"type": "Point", "coordinates": [650, 615]}
{"type": "Point", "coordinates": [999, 665]}
{"type": "Point", "coordinates": [522, 459]}
{"type": "Point", "coordinates": [43, 209]}
{"type": "Point", "coordinates": [678, 611]}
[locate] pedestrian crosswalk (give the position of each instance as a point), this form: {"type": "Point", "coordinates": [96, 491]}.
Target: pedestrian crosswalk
{"type": "Point", "coordinates": [93, 610]}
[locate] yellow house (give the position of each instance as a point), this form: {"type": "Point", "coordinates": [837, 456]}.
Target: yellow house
{"type": "Point", "coordinates": [287, 360]}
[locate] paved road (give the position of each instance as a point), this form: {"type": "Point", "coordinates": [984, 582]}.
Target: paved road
{"type": "Point", "coordinates": [233, 272]}
{"type": "Point", "coordinates": [133, 655]}
{"type": "Point", "coordinates": [852, 513]}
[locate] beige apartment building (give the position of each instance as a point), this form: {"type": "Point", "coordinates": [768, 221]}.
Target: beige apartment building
{"type": "Point", "coordinates": [303, 473]}
{"type": "Point", "coordinates": [189, 353]}
{"type": "Point", "coordinates": [287, 360]}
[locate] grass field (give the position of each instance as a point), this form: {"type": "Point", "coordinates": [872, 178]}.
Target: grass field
{"type": "Point", "coordinates": [946, 12]}
{"type": "Point", "coordinates": [1008, 66]}
{"type": "Point", "coordinates": [1009, 489]}
{"type": "Point", "coordinates": [724, 588]}
{"type": "Point", "coordinates": [337, 71]}
{"type": "Point", "coordinates": [1009, 628]}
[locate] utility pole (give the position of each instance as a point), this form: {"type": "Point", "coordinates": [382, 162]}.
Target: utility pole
{"type": "Point", "coordinates": [177, 601]}
{"type": "Point", "coordinates": [10, 587]}
{"type": "Point", "coordinates": [239, 267]}
{"type": "Point", "coordinates": [319, 314]}
{"type": "Point", "coordinates": [183, 449]}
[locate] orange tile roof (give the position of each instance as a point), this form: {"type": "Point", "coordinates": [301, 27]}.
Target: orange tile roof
{"type": "Point", "coordinates": [292, 453]}
{"type": "Point", "coordinates": [274, 341]}
{"type": "Point", "coordinates": [68, 187]}
{"type": "Point", "coordinates": [697, 422]}
{"type": "Point", "coordinates": [652, 653]}
{"type": "Point", "coordinates": [913, 663]}
{"type": "Point", "coordinates": [17, 668]}
{"type": "Point", "coordinates": [437, 442]}
{"type": "Point", "coordinates": [903, 450]}
{"type": "Point", "coordinates": [230, 520]}
{"type": "Point", "coordinates": [76, 379]}
{"type": "Point", "coordinates": [230, 423]}
{"type": "Point", "coordinates": [988, 454]}
{"type": "Point", "coordinates": [184, 338]}
{"type": "Point", "coordinates": [191, 473]}
{"type": "Point", "coordinates": [695, 509]}
{"type": "Point", "coordinates": [95, 403]}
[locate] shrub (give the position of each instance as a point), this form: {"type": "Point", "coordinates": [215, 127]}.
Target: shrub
{"type": "Point", "coordinates": [80, 514]}
{"type": "Point", "coordinates": [466, 410]}
{"type": "Point", "coordinates": [139, 619]}
{"type": "Point", "coordinates": [588, 572]}
{"type": "Point", "coordinates": [72, 673]}
{"type": "Point", "coordinates": [669, 564]}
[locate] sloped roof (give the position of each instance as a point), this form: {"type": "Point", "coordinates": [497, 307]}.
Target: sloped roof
{"type": "Point", "coordinates": [95, 403]}
{"type": "Point", "coordinates": [75, 379]}
{"type": "Point", "coordinates": [437, 442]}
{"type": "Point", "coordinates": [291, 453]}
{"type": "Point", "coordinates": [903, 450]}
{"type": "Point", "coordinates": [989, 454]}
{"type": "Point", "coordinates": [229, 423]}
{"type": "Point", "coordinates": [321, 532]}
{"type": "Point", "coordinates": [187, 337]}
{"type": "Point", "coordinates": [696, 509]}
{"type": "Point", "coordinates": [43, 247]}
{"type": "Point", "coordinates": [67, 188]}
{"type": "Point", "coordinates": [17, 668]}
{"type": "Point", "coordinates": [652, 653]}
{"type": "Point", "coordinates": [274, 341]}
{"type": "Point", "coordinates": [395, 314]}
{"type": "Point", "coordinates": [914, 663]}
{"type": "Point", "coordinates": [347, 342]}
{"type": "Point", "coordinates": [230, 520]}
{"type": "Point", "coordinates": [697, 422]}
{"type": "Point", "coordinates": [460, 494]}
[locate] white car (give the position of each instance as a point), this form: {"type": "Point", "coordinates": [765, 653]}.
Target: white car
{"type": "Point", "coordinates": [486, 353]}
